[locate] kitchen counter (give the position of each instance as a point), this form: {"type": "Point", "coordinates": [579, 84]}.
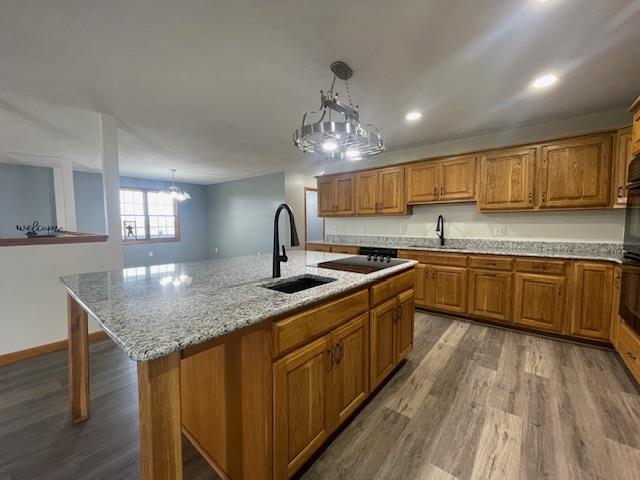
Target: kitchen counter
{"type": "Point", "coordinates": [611, 252]}
{"type": "Point", "coordinates": [153, 311]}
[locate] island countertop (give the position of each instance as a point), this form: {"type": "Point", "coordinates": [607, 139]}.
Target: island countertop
{"type": "Point", "coordinates": [153, 311]}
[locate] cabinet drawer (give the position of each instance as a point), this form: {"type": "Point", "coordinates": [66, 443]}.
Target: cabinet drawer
{"type": "Point", "coordinates": [347, 249]}
{"type": "Point", "coordinates": [301, 328]}
{"type": "Point", "coordinates": [491, 262]}
{"type": "Point", "coordinates": [317, 247]}
{"type": "Point", "coordinates": [394, 286]}
{"type": "Point", "coordinates": [432, 258]}
{"type": "Point", "coordinates": [628, 346]}
{"type": "Point", "coordinates": [553, 267]}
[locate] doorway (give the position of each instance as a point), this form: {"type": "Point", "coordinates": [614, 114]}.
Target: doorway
{"type": "Point", "coordinates": [313, 224]}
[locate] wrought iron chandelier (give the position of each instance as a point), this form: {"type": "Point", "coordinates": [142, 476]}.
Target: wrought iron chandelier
{"type": "Point", "coordinates": [341, 138]}
{"type": "Point", "coordinates": [174, 192]}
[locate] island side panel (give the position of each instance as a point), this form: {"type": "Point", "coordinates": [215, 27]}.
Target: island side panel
{"type": "Point", "coordinates": [160, 426]}
{"type": "Point", "coordinates": [227, 404]}
{"type": "Point", "coordinates": [78, 366]}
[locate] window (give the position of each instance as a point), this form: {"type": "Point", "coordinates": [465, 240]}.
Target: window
{"type": "Point", "coordinates": [148, 216]}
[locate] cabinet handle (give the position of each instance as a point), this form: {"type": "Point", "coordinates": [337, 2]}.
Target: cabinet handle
{"type": "Point", "coordinates": [544, 196]}
{"type": "Point", "coordinates": [441, 190]}
{"type": "Point", "coordinates": [340, 350]}
{"type": "Point", "coordinates": [618, 283]}
{"type": "Point", "coordinates": [433, 274]}
{"type": "Point", "coordinates": [329, 359]}
{"type": "Point", "coordinates": [401, 312]}
{"type": "Point", "coordinates": [632, 356]}
{"type": "Point", "coordinates": [620, 192]}
{"type": "Point", "coordinates": [559, 290]}
{"type": "Point", "coordinates": [530, 197]}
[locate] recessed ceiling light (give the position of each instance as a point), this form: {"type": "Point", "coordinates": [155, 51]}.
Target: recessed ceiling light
{"type": "Point", "coordinates": [413, 116]}
{"type": "Point", "coordinates": [544, 81]}
{"type": "Point", "coordinates": [329, 146]}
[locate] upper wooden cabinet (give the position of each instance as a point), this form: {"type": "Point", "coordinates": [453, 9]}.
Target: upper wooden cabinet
{"type": "Point", "coordinates": [447, 180]}
{"type": "Point", "coordinates": [381, 192]}
{"type": "Point", "coordinates": [593, 290]}
{"type": "Point", "coordinates": [575, 172]}
{"type": "Point", "coordinates": [622, 158]}
{"type": "Point", "coordinates": [635, 142]}
{"type": "Point", "coordinates": [507, 180]}
{"type": "Point", "coordinates": [337, 195]}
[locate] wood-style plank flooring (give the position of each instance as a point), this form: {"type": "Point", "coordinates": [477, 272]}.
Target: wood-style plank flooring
{"type": "Point", "coordinates": [471, 402]}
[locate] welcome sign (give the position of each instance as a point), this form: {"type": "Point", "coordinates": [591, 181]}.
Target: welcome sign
{"type": "Point", "coordinates": [36, 230]}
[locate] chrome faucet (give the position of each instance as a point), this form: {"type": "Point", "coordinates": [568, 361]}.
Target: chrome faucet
{"type": "Point", "coordinates": [440, 229]}
{"type": "Point", "coordinates": [277, 258]}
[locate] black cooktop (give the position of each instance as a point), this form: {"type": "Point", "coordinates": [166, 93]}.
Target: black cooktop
{"type": "Point", "coordinates": [361, 264]}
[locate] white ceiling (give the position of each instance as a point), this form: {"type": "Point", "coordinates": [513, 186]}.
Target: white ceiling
{"type": "Point", "coordinates": [215, 88]}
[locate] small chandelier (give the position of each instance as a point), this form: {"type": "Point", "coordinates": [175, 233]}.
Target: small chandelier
{"type": "Point", "coordinates": [342, 138]}
{"type": "Point", "coordinates": [174, 192]}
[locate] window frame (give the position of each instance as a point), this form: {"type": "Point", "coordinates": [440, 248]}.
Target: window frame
{"type": "Point", "coordinates": [147, 228]}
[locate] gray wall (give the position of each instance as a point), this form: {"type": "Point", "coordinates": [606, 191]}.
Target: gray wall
{"type": "Point", "coordinates": [241, 215]}
{"type": "Point", "coordinates": [194, 233]}
{"type": "Point", "coordinates": [26, 195]}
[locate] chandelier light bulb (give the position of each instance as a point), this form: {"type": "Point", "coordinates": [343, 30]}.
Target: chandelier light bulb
{"type": "Point", "coordinates": [329, 146]}
{"type": "Point", "coordinates": [353, 154]}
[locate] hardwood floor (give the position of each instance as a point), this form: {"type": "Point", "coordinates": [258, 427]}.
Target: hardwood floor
{"type": "Point", "coordinates": [471, 402]}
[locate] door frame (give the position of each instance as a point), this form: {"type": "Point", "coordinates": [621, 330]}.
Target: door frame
{"type": "Point", "coordinates": [310, 189]}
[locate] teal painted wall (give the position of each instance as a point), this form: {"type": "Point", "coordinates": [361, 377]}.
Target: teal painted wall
{"type": "Point", "coordinates": [26, 195]}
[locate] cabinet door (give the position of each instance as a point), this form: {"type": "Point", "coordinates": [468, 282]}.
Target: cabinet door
{"type": "Point", "coordinates": [575, 173]}
{"type": "Point", "coordinates": [615, 306]}
{"type": "Point", "coordinates": [447, 289]}
{"type": "Point", "coordinates": [392, 195]}
{"type": "Point", "coordinates": [592, 300]}
{"type": "Point", "coordinates": [367, 186]}
{"type": "Point", "coordinates": [350, 379]}
{"type": "Point", "coordinates": [457, 179]}
{"type": "Point", "coordinates": [623, 157]}
{"type": "Point", "coordinates": [404, 324]}
{"type": "Point", "coordinates": [420, 288]}
{"type": "Point", "coordinates": [345, 195]}
{"type": "Point", "coordinates": [326, 197]}
{"type": "Point", "coordinates": [422, 182]}
{"type": "Point", "coordinates": [301, 423]}
{"type": "Point", "coordinates": [635, 142]}
{"type": "Point", "coordinates": [490, 294]}
{"type": "Point", "coordinates": [382, 341]}
{"type": "Point", "coordinates": [506, 180]}
{"type": "Point", "coordinates": [539, 301]}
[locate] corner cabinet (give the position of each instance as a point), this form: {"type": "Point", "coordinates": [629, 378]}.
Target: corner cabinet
{"type": "Point", "coordinates": [337, 195]}
{"type": "Point", "coordinates": [507, 180]}
{"type": "Point", "coordinates": [437, 181]}
{"type": "Point", "coordinates": [575, 173]}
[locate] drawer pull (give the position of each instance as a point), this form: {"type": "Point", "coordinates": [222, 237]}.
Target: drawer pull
{"type": "Point", "coordinates": [530, 197]}
{"type": "Point", "coordinates": [632, 356]}
{"type": "Point", "coordinates": [330, 359]}
{"type": "Point", "coordinates": [340, 348]}
{"type": "Point", "coordinates": [620, 192]}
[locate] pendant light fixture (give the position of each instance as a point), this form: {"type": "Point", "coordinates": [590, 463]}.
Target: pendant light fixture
{"type": "Point", "coordinates": [337, 133]}
{"type": "Point", "coordinates": [174, 192]}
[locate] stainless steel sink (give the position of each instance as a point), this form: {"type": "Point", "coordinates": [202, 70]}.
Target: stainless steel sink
{"type": "Point", "coordinates": [298, 284]}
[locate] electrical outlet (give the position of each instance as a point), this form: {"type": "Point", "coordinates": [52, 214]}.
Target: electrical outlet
{"type": "Point", "coordinates": [500, 231]}
{"type": "Point", "coordinates": [215, 249]}
{"type": "Point", "coordinates": [150, 254]}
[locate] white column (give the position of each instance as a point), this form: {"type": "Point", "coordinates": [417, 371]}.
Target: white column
{"type": "Point", "coordinates": [110, 175]}
{"type": "Point", "coordinates": [64, 195]}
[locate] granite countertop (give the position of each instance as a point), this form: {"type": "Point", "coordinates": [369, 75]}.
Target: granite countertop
{"type": "Point", "coordinates": [611, 252]}
{"type": "Point", "coordinates": [153, 311]}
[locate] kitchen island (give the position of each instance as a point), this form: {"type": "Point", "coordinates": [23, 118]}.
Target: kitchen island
{"type": "Point", "coordinates": [257, 379]}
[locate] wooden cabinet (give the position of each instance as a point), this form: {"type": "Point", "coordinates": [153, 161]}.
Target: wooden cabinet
{"type": "Point", "coordinates": [346, 249]}
{"type": "Point", "coordinates": [391, 335]}
{"type": "Point", "coordinates": [628, 346]}
{"type": "Point", "coordinates": [337, 195]}
{"type": "Point", "coordinates": [420, 290]}
{"type": "Point", "coordinates": [539, 301]}
{"type": "Point", "coordinates": [593, 290]}
{"type": "Point", "coordinates": [635, 141]}
{"type": "Point", "coordinates": [575, 172]}
{"type": "Point", "coordinates": [490, 294]}
{"type": "Point", "coordinates": [448, 180]}
{"type": "Point", "coordinates": [317, 247]}
{"type": "Point", "coordinates": [301, 384]}
{"type": "Point", "coordinates": [350, 385]}
{"type": "Point", "coordinates": [615, 306]}
{"type": "Point", "coordinates": [622, 158]}
{"type": "Point", "coordinates": [381, 192]}
{"type": "Point", "coordinates": [447, 288]}
{"type": "Point", "coordinates": [507, 180]}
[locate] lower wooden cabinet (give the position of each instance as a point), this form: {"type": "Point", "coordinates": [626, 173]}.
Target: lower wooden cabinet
{"type": "Point", "coordinates": [539, 301]}
{"type": "Point", "coordinates": [628, 346]}
{"type": "Point", "coordinates": [447, 288]}
{"type": "Point", "coordinates": [316, 388]}
{"type": "Point", "coordinates": [593, 289]}
{"type": "Point", "coordinates": [615, 306]}
{"type": "Point", "coordinates": [420, 290]}
{"type": "Point", "coordinates": [391, 335]}
{"type": "Point", "coordinates": [490, 294]}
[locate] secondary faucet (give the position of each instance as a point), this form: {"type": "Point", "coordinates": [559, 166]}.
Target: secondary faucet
{"type": "Point", "coordinates": [277, 258]}
{"type": "Point", "coordinates": [440, 229]}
